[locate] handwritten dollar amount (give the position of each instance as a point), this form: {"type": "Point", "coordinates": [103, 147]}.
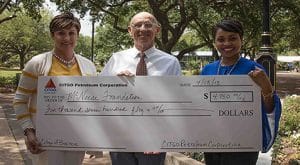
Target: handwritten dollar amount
{"type": "Point", "coordinates": [231, 96]}
{"type": "Point", "coordinates": [135, 110]}
{"type": "Point", "coordinates": [138, 110]}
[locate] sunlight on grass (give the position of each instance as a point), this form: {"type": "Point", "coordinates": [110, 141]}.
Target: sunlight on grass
{"type": "Point", "coordinates": [8, 73]}
{"type": "Point", "coordinates": [8, 79]}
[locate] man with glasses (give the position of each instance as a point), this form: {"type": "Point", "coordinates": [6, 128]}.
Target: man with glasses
{"type": "Point", "coordinates": [143, 28]}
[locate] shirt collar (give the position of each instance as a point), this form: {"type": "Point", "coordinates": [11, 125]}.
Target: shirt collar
{"type": "Point", "coordinates": [148, 52]}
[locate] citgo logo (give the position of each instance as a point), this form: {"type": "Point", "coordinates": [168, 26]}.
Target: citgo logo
{"type": "Point", "coordinates": [50, 87]}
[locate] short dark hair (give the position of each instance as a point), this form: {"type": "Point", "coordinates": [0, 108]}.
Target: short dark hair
{"type": "Point", "coordinates": [230, 25]}
{"type": "Point", "coordinates": [63, 21]}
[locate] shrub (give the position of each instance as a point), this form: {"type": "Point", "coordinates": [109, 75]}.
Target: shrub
{"type": "Point", "coordinates": [7, 81]}
{"type": "Point", "coordinates": [290, 118]}
{"type": "Point", "coordinates": [287, 145]}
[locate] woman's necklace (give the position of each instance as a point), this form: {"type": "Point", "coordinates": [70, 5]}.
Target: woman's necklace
{"type": "Point", "coordinates": [234, 65]}
{"type": "Point", "coordinates": [65, 62]}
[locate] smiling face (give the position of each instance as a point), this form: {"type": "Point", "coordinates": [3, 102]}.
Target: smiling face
{"type": "Point", "coordinates": [64, 29]}
{"type": "Point", "coordinates": [143, 29]}
{"type": "Point", "coordinates": [228, 44]}
{"type": "Point", "coordinates": [65, 40]}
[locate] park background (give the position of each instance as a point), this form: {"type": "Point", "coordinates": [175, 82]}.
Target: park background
{"type": "Point", "coordinates": [186, 34]}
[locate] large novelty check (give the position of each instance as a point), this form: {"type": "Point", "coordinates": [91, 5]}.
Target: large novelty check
{"type": "Point", "coordinates": [196, 113]}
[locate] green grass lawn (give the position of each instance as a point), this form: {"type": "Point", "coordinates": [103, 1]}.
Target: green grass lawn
{"type": "Point", "coordinates": [8, 78]}
{"type": "Point", "coordinates": [8, 73]}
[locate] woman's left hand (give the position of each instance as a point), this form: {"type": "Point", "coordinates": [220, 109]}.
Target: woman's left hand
{"type": "Point", "coordinates": [261, 79]}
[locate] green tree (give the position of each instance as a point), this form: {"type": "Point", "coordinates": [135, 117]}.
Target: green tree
{"type": "Point", "coordinates": [180, 17]}
{"type": "Point", "coordinates": [24, 37]}
{"type": "Point", "coordinates": [286, 26]}
{"type": "Point", "coordinates": [109, 40]}
{"type": "Point", "coordinates": [174, 16]}
{"type": "Point", "coordinates": [249, 12]}
{"type": "Point", "coordinates": [30, 7]}
{"type": "Point", "coordinates": [84, 46]}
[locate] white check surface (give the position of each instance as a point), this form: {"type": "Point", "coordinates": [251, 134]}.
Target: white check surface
{"type": "Point", "coordinates": [174, 113]}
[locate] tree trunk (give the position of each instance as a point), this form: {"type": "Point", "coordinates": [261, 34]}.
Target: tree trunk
{"type": "Point", "coordinates": [22, 61]}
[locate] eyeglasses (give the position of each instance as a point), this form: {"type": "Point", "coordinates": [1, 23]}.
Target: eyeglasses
{"type": "Point", "coordinates": [140, 25]}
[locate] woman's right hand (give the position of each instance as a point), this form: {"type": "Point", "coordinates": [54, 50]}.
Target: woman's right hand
{"type": "Point", "coordinates": [32, 143]}
{"type": "Point", "coordinates": [261, 79]}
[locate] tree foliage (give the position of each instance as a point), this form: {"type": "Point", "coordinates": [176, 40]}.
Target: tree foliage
{"type": "Point", "coordinates": [84, 46]}
{"type": "Point", "coordinates": [31, 7]}
{"type": "Point", "coordinates": [174, 16]}
{"type": "Point", "coordinates": [185, 25]}
{"type": "Point", "coordinates": [24, 37]}
{"type": "Point", "coordinates": [179, 18]}
{"type": "Point", "coordinates": [286, 25]}
{"type": "Point", "coordinates": [109, 40]}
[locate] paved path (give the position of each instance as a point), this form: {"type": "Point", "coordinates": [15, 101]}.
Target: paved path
{"type": "Point", "coordinates": [12, 147]}
{"type": "Point", "coordinates": [288, 83]}
{"type": "Point", "coordinates": [9, 149]}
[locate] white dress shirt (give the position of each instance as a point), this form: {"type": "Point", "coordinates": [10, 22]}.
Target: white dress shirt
{"type": "Point", "coordinates": [158, 63]}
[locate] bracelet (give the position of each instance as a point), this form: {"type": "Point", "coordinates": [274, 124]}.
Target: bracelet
{"type": "Point", "coordinates": [267, 95]}
{"type": "Point", "coordinates": [27, 130]}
